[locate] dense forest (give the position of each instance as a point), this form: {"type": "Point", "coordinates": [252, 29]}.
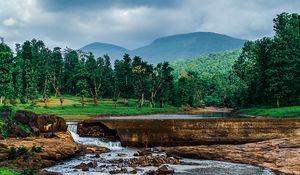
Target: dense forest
{"type": "Point", "coordinates": [264, 72]}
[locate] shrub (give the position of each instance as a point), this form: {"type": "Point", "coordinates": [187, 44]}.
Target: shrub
{"type": "Point", "coordinates": [27, 172]}
{"type": "Point", "coordinates": [6, 109]}
{"type": "Point", "coordinates": [23, 151]}
{"type": "Point", "coordinates": [36, 149]}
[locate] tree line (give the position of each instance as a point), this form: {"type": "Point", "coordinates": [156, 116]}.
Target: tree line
{"type": "Point", "coordinates": [269, 68]}
{"type": "Point", "coordinates": [36, 72]}
{"type": "Point", "coordinates": [265, 72]}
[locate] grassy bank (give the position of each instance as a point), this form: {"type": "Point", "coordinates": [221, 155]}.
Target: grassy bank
{"type": "Point", "coordinates": [6, 171]}
{"type": "Point", "coordinates": [73, 110]}
{"type": "Point", "coordinates": [283, 112]}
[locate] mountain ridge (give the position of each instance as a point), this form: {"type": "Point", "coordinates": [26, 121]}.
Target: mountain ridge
{"type": "Point", "coordinates": [172, 47]}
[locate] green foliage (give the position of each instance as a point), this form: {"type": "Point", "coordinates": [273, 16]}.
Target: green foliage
{"type": "Point", "coordinates": [212, 82]}
{"type": "Point", "coordinates": [27, 172]}
{"type": "Point", "coordinates": [269, 68]}
{"type": "Point", "coordinates": [14, 152]}
{"type": "Point", "coordinates": [6, 171]}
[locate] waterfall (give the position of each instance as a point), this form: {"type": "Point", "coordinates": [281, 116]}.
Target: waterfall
{"type": "Point", "coordinates": [72, 128]}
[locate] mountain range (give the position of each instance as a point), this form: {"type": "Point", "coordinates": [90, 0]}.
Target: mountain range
{"type": "Point", "coordinates": [170, 48]}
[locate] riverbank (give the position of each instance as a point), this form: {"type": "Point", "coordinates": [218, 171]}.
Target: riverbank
{"type": "Point", "coordinates": [279, 155]}
{"type": "Point", "coordinates": [282, 112]}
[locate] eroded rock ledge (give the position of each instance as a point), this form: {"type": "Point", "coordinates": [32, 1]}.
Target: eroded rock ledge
{"type": "Point", "coordinates": [279, 155]}
{"type": "Point", "coordinates": [58, 148]}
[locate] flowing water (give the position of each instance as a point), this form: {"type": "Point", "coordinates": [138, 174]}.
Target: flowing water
{"type": "Point", "coordinates": [104, 164]}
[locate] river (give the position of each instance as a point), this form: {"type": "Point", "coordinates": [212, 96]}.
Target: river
{"type": "Point", "coordinates": [105, 163]}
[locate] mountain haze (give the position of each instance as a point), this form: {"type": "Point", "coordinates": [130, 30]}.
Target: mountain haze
{"type": "Point", "coordinates": [100, 49]}
{"type": "Point", "coordinates": [172, 47]}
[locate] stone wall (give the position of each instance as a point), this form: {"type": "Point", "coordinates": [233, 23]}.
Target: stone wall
{"type": "Point", "coordinates": [170, 132]}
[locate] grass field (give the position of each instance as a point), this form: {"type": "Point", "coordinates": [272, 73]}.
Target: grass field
{"type": "Point", "coordinates": [72, 108]}
{"type": "Point", "coordinates": [283, 112]}
{"type": "Point", "coordinates": [6, 171]}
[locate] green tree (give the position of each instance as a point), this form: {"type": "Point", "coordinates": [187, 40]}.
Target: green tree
{"type": "Point", "coordinates": [71, 59]}
{"type": "Point", "coordinates": [141, 73]}
{"type": "Point", "coordinates": [95, 76]}
{"type": "Point", "coordinates": [81, 74]}
{"type": "Point", "coordinates": [162, 79]}
{"type": "Point", "coordinates": [6, 66]}
{"type": "Point", "coordinates": [284, 66]}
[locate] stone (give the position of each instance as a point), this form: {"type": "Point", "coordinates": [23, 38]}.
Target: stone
{"type": "Point", "coordinates": [87, 130]}
{"type": "Point", "coordinates": [144, 153]}
{"type": "Point", "coordinates": [164, 169]}
{"type": "Point", "coordinates": [54, 149]}
{"type": "Point", "coordinates": [280, 155]}
{"type": "Point", "coordinates": [119, 171]}
{"type": "Point", "coordinates": [41, 122]}
{"type": "Point", "coordinates": [45, 172]}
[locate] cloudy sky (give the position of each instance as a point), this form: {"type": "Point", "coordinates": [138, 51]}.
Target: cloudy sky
{"type": "Point", "coordinates": [134, 23]}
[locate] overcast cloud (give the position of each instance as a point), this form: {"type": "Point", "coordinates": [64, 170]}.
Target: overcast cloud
{"type": "Point", "coordinates": [133, 23]}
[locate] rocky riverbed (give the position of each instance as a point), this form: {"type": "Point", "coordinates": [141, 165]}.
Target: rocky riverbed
{"type": "Point", "coordinates": [280, 155]}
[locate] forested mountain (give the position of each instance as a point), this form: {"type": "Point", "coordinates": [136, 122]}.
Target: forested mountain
{"type": "Point", "coordinates": [206, 65]}
{"type": "Point", "coordinates": [187, 45]}
{"type": "Point", "coordinates": [172, 47]}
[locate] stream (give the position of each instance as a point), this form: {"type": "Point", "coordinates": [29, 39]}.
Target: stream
{"type": "Point", "coordinates": [105, 164]}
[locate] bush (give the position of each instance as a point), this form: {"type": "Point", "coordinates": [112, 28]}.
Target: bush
{"type": "Point", "coordinates": [6, 109]}
{"type": "Point", "coordinates": [27, 172]}
{"type": "Point", "coordinates": [36, 149]}
{"type": "Point", "coordinates": [23, 151]}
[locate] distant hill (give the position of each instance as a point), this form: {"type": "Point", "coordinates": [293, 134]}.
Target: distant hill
{"type": "Point", "coordinates": [99, 49]}
{"type": "Point", "coordinates": [207, 65]}
{"type": "Point", "coordinates": [172, 47]}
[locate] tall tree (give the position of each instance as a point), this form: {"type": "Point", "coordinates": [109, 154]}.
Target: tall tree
{"type": "Point", "coordinates": [141, 73]}
{"type": "Point", "coordinates": [123, 78]}
{"type": "Point", "coordinates": [71, 59]}
{"type": "Point", "coordinates": [81, 74]}
{"type": "Point", "coordinates": [284, 65]}
{"type": "Point", "coordinates": [95, 76]}
{"type": "Point", "coordinates": [161, 81]}
{"type": "Point", "coordinates": [6, 65]}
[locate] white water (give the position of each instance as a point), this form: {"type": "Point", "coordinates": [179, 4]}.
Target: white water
{"type": "Point", "coordinates": [92, 141]}
{"type": "Point", "coordinates": [199, 167]}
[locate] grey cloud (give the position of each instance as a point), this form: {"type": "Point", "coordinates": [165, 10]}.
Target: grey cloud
{"type": "Point", "coordinates": [133, 23]}
{"type": "Point", "coordinates": [64, 5]}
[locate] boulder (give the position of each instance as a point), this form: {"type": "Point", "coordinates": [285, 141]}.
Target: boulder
{"type": "Point", "coordinates": [41, 122]}
{"type": "Point", "coordinates": [164, 169]}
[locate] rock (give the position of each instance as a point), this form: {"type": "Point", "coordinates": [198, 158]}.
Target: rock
{"type": "Point", "coordinates": [45, 172]}
{"type": "Point", "coordinates": [94, 149]}
{"type": "Point", "coordinates": [135, 154]}
{"type": "Point", "coordinates": [99, 130]}
{"type": "Point", "coordinates": [161, 170]}
{"type": "Point", "coordinates": [122, 154]}
{"type": "Point", "coordinates": [49, 135]}
{"type": "Point", "coordinates": [92, 164]}
{"type": "Point", "coordinates": [97, 156]}
{"type": "Point", "coordinates": [119, 171]}
{"type": "Point", "coordinates": [54, 149]}
{"type": "Point", "coordinates": [86, 166]}
{"type": "Point", "coordinates": [280, 155]}
{"type": "Point", "coordinates": [143, 161]}
{"type": "Point", "coordinates": [144, 153]}
{"type": "Point", "coordinates": [41, 122]}
{"type": "Point", "coordinates": [82, 166]}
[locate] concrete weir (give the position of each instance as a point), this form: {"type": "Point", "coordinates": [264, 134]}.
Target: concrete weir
{"type": "Point", "coordinates": [204, 131]}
